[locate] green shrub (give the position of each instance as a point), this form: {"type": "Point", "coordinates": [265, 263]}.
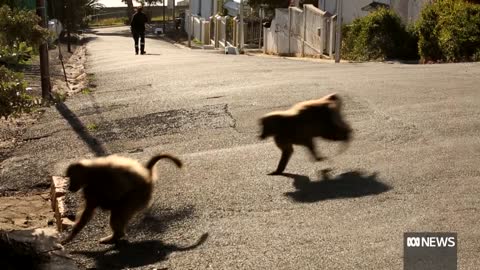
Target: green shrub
{"type": "Point", "coordinates": [13, 98]}
{"type": "Point", "coordinates": [17, 26]}
{"type": "Point", "coordinates": [449, 30]}
{"type": "Point", "coordinates": [378, 36]}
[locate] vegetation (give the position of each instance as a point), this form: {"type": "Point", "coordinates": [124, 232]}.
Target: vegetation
{"type": "Point", "coordinates": [449, 30]}
{"type": "Point", "coordinates": [378, 36]}
{"type": "Point", "coordinates": [20, 36]}
{"type": "Point", "coordinates": [13, 96]}
{"type": "Point", "coordinates": [19, 27]}
{"type": "Point", "coordinates": [109, 22]}
{"type": "Point", "coordinates": [74, 14]}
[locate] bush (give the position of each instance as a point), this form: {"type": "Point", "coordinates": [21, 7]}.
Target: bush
{"type": "Point", "coordinates": [449, 30]}
{"type": "Point", "coordinates": [20, 35]}
{"type": "Point", "coordinates": [13, 98]}
{"type": "Point", "coordinates": [378, 36]}
{"type": "Point", "coordinates": [17, 26]}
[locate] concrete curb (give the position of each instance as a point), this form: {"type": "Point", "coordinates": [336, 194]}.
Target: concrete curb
{"type": "Point", "coordinates": [58, 191]}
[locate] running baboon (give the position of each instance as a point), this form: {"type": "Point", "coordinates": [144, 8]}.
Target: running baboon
{"type": "Point", "coordinates": [115, 183]}
{"type": "Point", "coordinates": [303, 122]}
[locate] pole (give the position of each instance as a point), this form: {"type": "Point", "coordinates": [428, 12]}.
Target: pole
{"type": "Point", "coordinates": [164, 29]}
{"type": "Point", "coordinates": [190, 27]}
{"type": "Point", "coordinates": [44, 65]}
{"type": "Point", "coordinates": [173, 12]}
{"type": "Point", "coordinates": [261, 29]}
{"type": "Point", "coordinates": [338, 38]}
{"type": "Point", "coordinates": [242, 35]}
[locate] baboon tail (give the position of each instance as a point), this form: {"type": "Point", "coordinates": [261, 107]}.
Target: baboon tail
{"type": "Point", "coordinates": [156, 158]}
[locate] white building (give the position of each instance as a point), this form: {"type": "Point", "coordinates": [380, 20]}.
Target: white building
{"type": "Point", "coordinates": [408, 10]}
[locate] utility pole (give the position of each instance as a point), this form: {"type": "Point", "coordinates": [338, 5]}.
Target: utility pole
{"type": "Point", "coordinates": [189, 17]}
{"type": "Point", "coordinates": [173, 11]}
{"type": "Point", "coordinates": [44, 65]}
{"type": "Point", "coordinates": [242, 35]}
{"type": "Point", "coordinates": [164, 29]}
{"type": "Point", "coordinates": [338, 38]}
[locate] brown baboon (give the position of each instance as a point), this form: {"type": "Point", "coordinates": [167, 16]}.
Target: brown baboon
{"type": "Point", "coordinates": [119, 184]}
{"type": "Point", "coordinates": [303, 122]}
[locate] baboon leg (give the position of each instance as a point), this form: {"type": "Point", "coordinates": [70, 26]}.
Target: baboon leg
{"type": "Point", "coordinates": [311, 147]}
{"type": "Point", "coordinates": [121, 215]}
{"type": "Point", "coordinates": [287, 151]}
{"type": "Point", "coordinates": [85, 216]}
{"type": "Point", "coordinates": [119, 218]}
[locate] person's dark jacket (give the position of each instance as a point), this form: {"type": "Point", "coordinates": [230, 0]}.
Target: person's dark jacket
{"type": "Point", "coordinates": [139, 20]}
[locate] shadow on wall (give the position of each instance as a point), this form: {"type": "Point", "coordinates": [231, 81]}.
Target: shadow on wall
{"type": "Point", "coordinates": [346, 185]}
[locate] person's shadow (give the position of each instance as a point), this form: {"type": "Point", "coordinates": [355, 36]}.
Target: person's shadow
{"type": "Point", "coordinates": [346, 185]}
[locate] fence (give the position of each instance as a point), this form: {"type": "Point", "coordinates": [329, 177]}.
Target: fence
{"type": "Point", "coordinates": [294, 31]}
{"type": "Point", "coordinates": [223, 31]}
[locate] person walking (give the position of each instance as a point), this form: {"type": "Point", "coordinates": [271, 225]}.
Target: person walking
{"type": "Point", "coordinates": [137, 26]}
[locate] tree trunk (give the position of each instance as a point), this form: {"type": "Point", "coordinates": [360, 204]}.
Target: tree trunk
{"type": "Point", "coordinates": [69, 38]}
{"type": "Point", "coordinates": [129, 9]}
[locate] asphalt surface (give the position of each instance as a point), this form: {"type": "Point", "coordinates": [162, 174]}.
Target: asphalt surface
{"type": "Point", "coordinates": [413, 165]}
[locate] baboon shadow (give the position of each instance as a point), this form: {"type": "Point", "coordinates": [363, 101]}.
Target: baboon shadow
{"type": "Point", "coordinates": [352, 184]}
{"type": "Point", "coordinates": [137, 253]}
{"type": "Point", "coordinates": [127, 254]}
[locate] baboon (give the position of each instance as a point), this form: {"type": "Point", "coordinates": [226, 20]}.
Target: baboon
{"type": "Point", "coordinates": [303, 122]}
{"type": "Point", "coordinates": [118, 184]}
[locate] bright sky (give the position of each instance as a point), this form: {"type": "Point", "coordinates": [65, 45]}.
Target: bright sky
{"type": "Point", "coordinates": [119, 3]}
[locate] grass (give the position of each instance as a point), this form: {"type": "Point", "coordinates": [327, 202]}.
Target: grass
{"type": "Point", "coordinates": [109, 22]}
{"type": "Point", "coordinates": [160, 18]}
{"type": "Point", "coordinates": [196, 41]}
{"type": "Point", "coordinates": [92, 127]}
{"type": "Point", "coordinates": [86, 91]}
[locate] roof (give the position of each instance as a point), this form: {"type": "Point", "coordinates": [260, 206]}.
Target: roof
{"type": "Point", "coordinates": [374, 5]}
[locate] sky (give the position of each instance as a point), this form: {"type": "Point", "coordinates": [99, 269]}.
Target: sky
{"type": "Point", "coordinates": [119, 3]}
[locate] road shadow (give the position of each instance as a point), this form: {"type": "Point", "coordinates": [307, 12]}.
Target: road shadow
{"type": "Point", "coordinates": [95, 145]}
{"type": "Point", "coordinates": [351, 184]}
{"type": "Point", "coordinates": [127, 254]}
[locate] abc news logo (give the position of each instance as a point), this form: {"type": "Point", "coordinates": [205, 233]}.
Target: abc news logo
{"type": "Point", "coordinates": [430, 251]}
{"type": "Point", "coordinates": [431, 242]}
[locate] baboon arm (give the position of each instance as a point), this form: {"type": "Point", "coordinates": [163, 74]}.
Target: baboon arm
{"type": "Point", "coordinates": [85, 216]}
{"type": "Point", "coordinates": [311, 147]}
{"type": "Point", "coordinates": [287, 151]}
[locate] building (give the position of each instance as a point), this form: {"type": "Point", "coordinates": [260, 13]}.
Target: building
{"type": "Point", "coordinates": [408, 10]}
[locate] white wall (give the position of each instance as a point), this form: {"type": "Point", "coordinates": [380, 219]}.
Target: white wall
{"type": "Point", "coordinates": [203, 8]}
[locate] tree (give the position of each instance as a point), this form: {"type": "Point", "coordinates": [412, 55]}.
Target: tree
{"type": "Point", "coordinates": [72, 14]}
{"type": "Point", "coordinates": [129, 8]}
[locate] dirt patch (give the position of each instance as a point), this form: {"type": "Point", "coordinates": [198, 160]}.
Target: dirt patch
{"type": "Point", "coordinates": [26, 212]}
{"type": "Point", "coordinates": [17, 210]}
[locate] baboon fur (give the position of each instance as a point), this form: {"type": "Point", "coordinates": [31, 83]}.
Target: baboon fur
{"type": "Point", "coordinates": [300, 124]}
{"type": "Point", "coordinates": [118, 184]}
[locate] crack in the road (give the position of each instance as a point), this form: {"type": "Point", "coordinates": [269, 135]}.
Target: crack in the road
{"type": "Point", "coordinates": [234, 121]}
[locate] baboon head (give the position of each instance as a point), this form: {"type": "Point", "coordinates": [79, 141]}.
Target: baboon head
{"type": "Point", "coordinates": [335, 128]}
{"type": "Point", "coordinates": [340, 130]}
{"type": "Point", "coordinates": [270, 125]}
{"type": "Point", "coordinates": [77, 174]}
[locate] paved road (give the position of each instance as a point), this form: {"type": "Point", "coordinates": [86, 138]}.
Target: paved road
{"type": "Point", "coordinates": [413, 166]}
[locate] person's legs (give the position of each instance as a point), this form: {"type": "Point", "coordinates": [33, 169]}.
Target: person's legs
{"type": "Point", "coordinates": [135, 38]}
{"type": "Point", "coordinates": [142, 43]}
